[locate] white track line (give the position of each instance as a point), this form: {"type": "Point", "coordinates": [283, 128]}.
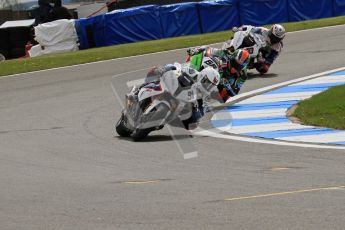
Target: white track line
{"type": "Point", "coordinates": [278, 97]}
{"type": "Point", "coordinates": [221, 115]}
{"type": "Point", "coordinates": [321, 138]}
{"type": "Point", "coordinates": [213, 133]}
{"type": "Point", "coordinates": [267, 127]}
{"type": "Point", "coordinates": [326, 79]}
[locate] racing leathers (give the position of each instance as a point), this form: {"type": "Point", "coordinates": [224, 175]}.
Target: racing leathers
{"type": "Point", "coordinates": [269, 53]}
{"type": "Point", "coordinates": [188, 77]}
{"type": "Point", "coordinates": [231, 82]}
{"type": "Point", "coordinates": [232, 79]}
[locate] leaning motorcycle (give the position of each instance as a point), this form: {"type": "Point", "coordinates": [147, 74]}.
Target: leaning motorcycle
{"type": "Point", "coordinates": [150, 106]}
{"type": "Point", "coordinates": [248, 40]}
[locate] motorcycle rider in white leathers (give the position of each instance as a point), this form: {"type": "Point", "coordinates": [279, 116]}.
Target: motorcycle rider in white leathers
{"type": "Point", "coordinates": [274, 44]}
{"type": "Point", "coordinates": [206, 82]}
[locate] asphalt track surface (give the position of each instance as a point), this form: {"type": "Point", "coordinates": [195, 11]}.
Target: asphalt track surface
{"type": "Point", "coordinates": [62, 168]}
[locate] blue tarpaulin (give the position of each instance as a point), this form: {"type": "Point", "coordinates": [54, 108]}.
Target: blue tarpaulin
{"type": "Point", "coordinates": [81, 32]}
{"type": "Point", "coordinates": [155, 22]}
{"type": "Point", "coordinates": [96, 27]}
{"type": "Point", "coordinates": [261, 12]}
{"type": "Point", "coordinates": [309, 9]}
{"type": "Point", "coordinates": [339, 7]}
{"type": "Point", "coordinates": [132, 25]}
{"type": "Point", "coordinates": [218, 15]}
{"type": "Point", "coordinates": [179, 19]}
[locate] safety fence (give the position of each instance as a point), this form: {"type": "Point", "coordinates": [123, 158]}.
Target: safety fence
{"type": "Point", "coordinates": [152, 22]}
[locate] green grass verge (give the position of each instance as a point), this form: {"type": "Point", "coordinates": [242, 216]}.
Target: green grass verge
{"type": "Point", "coordinates": [326, 109]}
{"type": "Point", "coordinates": [97, 54]}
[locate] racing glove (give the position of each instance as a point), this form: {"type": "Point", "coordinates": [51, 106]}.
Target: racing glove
{"type": "Point", "coordinates": [192, 51]}
{"type": "Point", "coordinates": [195, 50]}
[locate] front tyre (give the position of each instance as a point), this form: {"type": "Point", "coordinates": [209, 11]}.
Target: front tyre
{"type": "Point", "coordinates": [140, 134]}
{"type": "Point", "coordinates": [121, 128]}
{"type": "Point", "coordinates": [159, 114]}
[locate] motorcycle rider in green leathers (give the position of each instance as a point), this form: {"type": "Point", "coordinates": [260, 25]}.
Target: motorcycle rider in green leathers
{"type": "Point", "coordinates": [231, 66]}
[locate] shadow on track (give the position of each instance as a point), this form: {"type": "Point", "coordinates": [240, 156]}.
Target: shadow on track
{"type": "Point", "coordinates": [257, 75]}
{"type": "Point", "coordinates": [157, 138]}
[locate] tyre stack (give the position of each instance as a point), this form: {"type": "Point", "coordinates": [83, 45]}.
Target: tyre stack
{"type": "Point", "coordinates": [4, 43]}
{"type": "Point", "coordinates": [18, 37]}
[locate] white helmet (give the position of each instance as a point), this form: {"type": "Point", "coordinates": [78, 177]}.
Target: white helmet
{"type": "Point", "coordinates": [276, 33]}
{"type": "Point", "coordinates": [208, 79]}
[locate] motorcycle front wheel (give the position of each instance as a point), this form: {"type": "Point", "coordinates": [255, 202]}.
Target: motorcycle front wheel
{"type": "Point", "coordinates": [159, 113]}
{"type": "Point", "coordinates": [121, 128]}
{"type": "Point", "coordinates": [140, 134]}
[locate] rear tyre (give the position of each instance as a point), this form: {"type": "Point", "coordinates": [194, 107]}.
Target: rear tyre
{"type": "Point", "coordinates": [121, 128]}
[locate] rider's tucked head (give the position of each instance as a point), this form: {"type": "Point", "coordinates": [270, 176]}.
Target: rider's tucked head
{"type": "Point", "coordinates": [239, 60]}
{"type": "Point", "coordinates": [276, 33]}
{"type": "Point", "coordinates": [208, 79]}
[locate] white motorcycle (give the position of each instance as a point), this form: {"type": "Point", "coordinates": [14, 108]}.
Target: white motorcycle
{"type": "Point", "coordinates": [247, 40]}
{"type": "Point", "coordinates": [170, 98]}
